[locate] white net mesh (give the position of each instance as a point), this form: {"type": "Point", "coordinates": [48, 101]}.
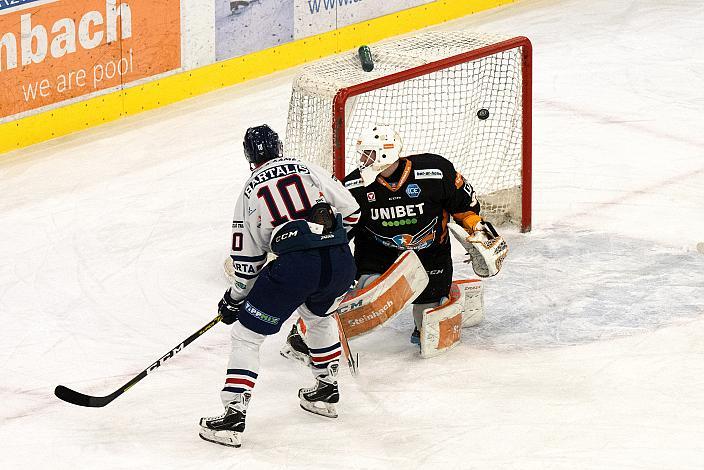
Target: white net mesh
{"type": "Point", "coordinates": [435, 112]}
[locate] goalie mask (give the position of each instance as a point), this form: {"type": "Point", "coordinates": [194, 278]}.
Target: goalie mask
{"type": "Point", "coordinates": [377, 149]}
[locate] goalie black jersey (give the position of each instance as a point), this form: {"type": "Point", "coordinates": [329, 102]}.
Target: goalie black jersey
{"type": "Point", "coordinates": [410, 209]}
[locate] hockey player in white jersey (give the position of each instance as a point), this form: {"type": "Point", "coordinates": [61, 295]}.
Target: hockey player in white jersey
{"type": "Point", "coordinates": [299, 212]}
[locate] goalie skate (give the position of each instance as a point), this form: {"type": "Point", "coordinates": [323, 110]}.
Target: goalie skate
{"type": "Point", "coordinates": [320, 399]}
{"type": "Point", "coordinates": [227, 428]}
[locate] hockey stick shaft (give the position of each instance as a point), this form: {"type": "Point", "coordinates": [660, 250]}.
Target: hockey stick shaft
{"type": "Point", "coordinates": [80, 399]}
{"type": "Point", "coordinates": [351, 361]}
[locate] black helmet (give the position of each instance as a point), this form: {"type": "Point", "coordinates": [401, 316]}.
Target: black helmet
{"type": "Point", "coordinates": [261, 144]}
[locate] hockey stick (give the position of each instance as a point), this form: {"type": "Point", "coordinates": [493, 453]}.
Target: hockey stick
{"type": "Point", "coordinates": [77, 398]}
{"type": "Point", "coordinates": [352, 362]}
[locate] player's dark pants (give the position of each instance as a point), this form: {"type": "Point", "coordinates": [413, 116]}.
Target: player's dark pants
{"type": "Point", "coordinates": [315, 277]}
{"type": "Point", "coordinates": [437, 263]}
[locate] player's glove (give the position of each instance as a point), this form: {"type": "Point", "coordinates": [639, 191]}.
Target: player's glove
{"type": "Point", "coordinates": [229, 308]}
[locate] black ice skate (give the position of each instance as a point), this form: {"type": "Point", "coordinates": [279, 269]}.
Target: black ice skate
{"type": "Point", "coordinates": [227, 428]}
{"type": "Point", "coordinates": [320, 399]}
{"type": "Point", "coordinates": [295, 348]}
{"type": "Point", "coordinates": [415, 336]}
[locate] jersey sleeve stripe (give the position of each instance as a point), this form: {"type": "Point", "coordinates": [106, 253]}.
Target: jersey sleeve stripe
{"type": "Point", "coordinates": [251, 259]}
{"type": "Point", "coordinates": [249, 277]}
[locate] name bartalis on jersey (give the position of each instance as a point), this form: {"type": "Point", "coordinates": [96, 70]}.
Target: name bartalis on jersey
{"type": "Point", "coordinates": [274, 172]}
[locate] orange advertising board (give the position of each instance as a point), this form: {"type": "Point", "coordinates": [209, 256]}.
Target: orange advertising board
{"type": "Point", "coordinates": [55, 50]}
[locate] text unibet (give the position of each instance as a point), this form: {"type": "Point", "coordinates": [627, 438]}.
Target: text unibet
{"type": "Point", "coordinates": [397, 212]}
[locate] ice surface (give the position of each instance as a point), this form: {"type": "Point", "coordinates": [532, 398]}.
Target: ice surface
{"type": "Point", "coordinates": [592, 352]}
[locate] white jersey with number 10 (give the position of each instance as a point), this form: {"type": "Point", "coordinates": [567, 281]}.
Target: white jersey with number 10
{"type": "Point", "coordinates": [281, 190]}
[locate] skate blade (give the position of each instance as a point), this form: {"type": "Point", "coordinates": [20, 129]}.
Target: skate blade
{"type": "Point", "coordinates": [225, 438]}
{"type": "Point", "coordinates": [289, 353]}
{"type": "Point", "coordinates": [319, 408]}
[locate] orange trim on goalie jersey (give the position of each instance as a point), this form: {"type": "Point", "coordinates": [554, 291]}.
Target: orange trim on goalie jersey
{"type": "Point", "coordinates": [468, 220]}
{"type": "Point", "coordinates": [445, 220]}
{"type": "Point", "coordinates": [395, 186]}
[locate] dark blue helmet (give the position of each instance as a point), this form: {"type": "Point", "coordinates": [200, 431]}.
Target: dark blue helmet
{"type": "Point", "coordinates": [261, 144]}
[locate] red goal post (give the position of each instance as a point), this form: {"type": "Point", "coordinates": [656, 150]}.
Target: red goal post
{"type": "Point", "coordinates": [430, 87]}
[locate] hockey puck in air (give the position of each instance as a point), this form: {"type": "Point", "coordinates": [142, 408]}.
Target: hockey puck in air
{"type": "Point", "coordinates": [483, 114]}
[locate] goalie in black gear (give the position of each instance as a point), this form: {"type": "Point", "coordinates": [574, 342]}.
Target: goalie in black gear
{"type": "Point", "coordinates": [406, 204]}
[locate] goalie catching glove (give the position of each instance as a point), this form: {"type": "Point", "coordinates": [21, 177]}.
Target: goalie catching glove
{"type": "Point", "coordinates": [485, 247]}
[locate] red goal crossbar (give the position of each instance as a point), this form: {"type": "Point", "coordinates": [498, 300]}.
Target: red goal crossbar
{"type": "Point", "coordinates": [340, 100]}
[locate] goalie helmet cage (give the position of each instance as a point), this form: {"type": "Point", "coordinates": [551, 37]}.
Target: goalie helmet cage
{"type": "Point", "coordinates": [430, 88]}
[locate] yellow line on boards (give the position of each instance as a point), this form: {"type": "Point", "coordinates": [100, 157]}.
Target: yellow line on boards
{"type": "Point", "coordinates": [135, 99]}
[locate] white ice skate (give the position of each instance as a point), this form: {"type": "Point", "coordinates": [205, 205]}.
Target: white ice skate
{"type": "Point", "coordinates": [320, 399]}
{"type": "Point", "coordinates": [227, 428]}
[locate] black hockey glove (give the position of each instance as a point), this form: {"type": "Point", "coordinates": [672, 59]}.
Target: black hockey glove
{"type": "Point", "coordinates": [229, 309]}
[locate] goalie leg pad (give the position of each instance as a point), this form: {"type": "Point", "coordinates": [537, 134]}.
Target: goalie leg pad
{"type": "Point", "coordinates": [471, 298]}
{"type": "Point", "coordinates": [442, 325]}
{"type": "Point", "coordinates": [365, 309]}
{"type": "Point", "coordinates": [441, 329]}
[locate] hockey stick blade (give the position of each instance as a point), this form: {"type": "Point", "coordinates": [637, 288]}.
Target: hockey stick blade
{"type": "Point", "coordinates": [80, 399]}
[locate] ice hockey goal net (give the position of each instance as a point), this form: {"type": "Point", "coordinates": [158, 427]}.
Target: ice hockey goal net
{"type": "Point", "coordinates": [434, 88]}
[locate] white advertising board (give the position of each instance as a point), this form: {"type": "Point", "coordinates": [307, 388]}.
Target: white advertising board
{"type": "Point", "coordinates": [319, 16]}
{"type": "Point", "coordinates": [246, 26]}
